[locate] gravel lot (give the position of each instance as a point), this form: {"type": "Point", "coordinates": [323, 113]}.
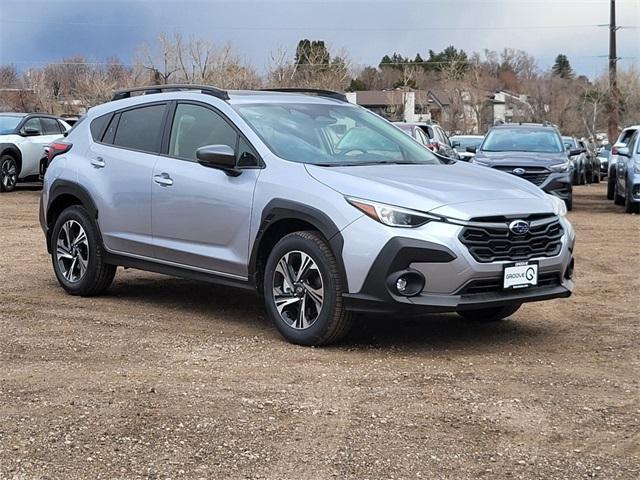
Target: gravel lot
{"type": "Point", "coordinates": [167, 378]}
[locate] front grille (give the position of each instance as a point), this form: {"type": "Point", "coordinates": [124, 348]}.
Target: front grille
{"type": "Point", "coordinates": [535, 175]}
{"type": "Point", "coordinates": [495, 242]}
{"type": "Point", "coordinates": [494, 285]}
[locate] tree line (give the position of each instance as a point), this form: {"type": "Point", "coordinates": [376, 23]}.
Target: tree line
{"type": "Point", "coordinates": [575, 103]}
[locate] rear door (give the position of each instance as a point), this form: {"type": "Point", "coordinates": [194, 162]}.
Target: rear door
{"type": "Point", "coordinates": [119, 168]}
{"type": "Point", "coordinates": [201, 215]}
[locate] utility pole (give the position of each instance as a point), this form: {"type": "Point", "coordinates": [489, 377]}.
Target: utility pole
{"type": "Point", "coordinates": [614, 97]}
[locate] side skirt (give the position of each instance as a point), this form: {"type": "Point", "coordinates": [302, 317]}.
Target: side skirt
{"type": "Point", "coordinates": [175, 271]}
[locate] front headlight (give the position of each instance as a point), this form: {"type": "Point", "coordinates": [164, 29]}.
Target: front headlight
{"type": "Point", "coordinates": [391, 215]}
{"type": "Point", "coordinates": [559, 207]}
{"type": "Point", "coordinates": [561, 167]}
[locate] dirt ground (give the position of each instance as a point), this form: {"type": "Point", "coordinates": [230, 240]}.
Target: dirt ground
{"type": "Point", "coordinates": [167, 378]}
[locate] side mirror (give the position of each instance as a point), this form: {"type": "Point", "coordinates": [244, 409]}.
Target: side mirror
{"type": "Point", "coordinates": [455, 143]}
{"type": "Point", "coordinates": [30, 132]}
{"type": "Point", "coordinates": [576, 151]}
{"type": "Point", "coordinates": [221, 157]}
{"type": "Point", "coordinates": [624, 151]}
{"type": "Point", "coordinates": [472, 149]}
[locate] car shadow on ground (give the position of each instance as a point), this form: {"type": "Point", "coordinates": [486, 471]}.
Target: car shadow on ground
{"type": "Point", "coordinates": [27, 187]}
{"type": "Point", "coordinates": [234, 306]}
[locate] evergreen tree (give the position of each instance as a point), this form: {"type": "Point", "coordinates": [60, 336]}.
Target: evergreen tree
{"type": "Point", "coordinates": [562, 67]}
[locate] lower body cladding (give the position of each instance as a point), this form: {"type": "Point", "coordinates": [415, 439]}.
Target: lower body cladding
{"type": "Point", "coordinates": [429, 270]}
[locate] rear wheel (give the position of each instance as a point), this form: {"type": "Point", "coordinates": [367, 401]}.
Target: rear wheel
{"type": "Point", "coordinates": [303, 290]}
{"type": "Point", "coordinates": [629, 205]}
{"type": "Point", "coordinates": [617, 198]}
{"type": "Point", "coordinates": [610, 186]}
{"type": "Point", "coordinates": [8, 173]}
{"type": "Point", "coordinates": [77, 254]}
{"type": "Point", "coordinates": [486, 315]}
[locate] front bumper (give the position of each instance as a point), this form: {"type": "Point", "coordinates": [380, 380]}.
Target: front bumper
{"type": "Point", "coordinates": [454, 279]}
{"type": "Point", "coordinates": [559, 184]}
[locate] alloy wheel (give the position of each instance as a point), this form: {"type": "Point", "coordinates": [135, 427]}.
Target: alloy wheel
{"type": "Point", "coordinates": [72, 251]}
{"type": "Point", "coordinates": [298, 290]}
{"type": "Point", "coordinates": [8, 173]}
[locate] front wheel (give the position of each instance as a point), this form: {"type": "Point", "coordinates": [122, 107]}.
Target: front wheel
{"type": "Point", "coordinates": [77, 254]}
{"type": "Point", "coordinates": [303, 290]}
{"type": "Point", "coordinates": [8, 173]}
{"type": "Point", "coordinates": [485, 315]}
{"type": "Point", "coordinates": [569, 202]}
{"type": "Point", "coordinates": [610, 186]}
{"type": "Point", "coordinates": [617, 198]}
{"type": "Point", "coordinates": [596, 176]}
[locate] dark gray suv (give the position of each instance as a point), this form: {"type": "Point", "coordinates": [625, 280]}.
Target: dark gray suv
{"type": "Point", "coordinates": [534, 152]}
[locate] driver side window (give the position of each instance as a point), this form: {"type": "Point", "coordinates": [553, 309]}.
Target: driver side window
{"type": "Point", "coordinates": [33, 124]}
{"type": "Point", "coordinates": [195, 126]}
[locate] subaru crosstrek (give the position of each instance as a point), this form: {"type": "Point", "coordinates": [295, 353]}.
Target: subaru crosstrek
{"type": "Point", "coordinates": [534, 152]}
{"type": "Point", "coordinates": [321, 206]}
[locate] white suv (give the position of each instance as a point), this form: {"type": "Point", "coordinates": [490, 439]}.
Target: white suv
{"type": "Point", "coordinates": [22, 140]}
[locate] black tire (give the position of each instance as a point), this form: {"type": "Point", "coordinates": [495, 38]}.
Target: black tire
{"type": "Point", "coordinates": [596, 176]}
{"type": "Point", "coordinates": [8, 173]}
{"type": "Point", "coordinates": [583, 176]}
{"type": "Point", "coordinates": [617, 198]}
{"type": "Point", "coordinates": [610, 186]}
{"type": "Point", "coordinates": [486, 315]}
{"type": "Point", "coordinates": [569, 202]}
{"type": "Point", "coordinates": [333, 321]}
{"type": "Point", "coordinates": [588, 175]}
{"type": "Point", "coordinates": [98, 275]}
{"type": "Point", "coordinates": [629, 205]}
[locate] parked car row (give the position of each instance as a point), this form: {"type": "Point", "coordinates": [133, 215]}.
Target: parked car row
{"type": "Point", "coordinates": [319, 205]}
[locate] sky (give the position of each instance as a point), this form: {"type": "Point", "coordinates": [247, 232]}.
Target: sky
{"type": "Point", "coordinates": [33, 32]}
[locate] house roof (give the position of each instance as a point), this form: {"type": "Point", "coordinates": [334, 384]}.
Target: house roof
{"type": "Point", "coordinates": [388, 97]}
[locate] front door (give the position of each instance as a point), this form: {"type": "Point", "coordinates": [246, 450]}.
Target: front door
{"type": "Point", "coordinates": [201, 215]}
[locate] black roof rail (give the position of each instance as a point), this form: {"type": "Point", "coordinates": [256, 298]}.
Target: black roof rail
{"type": "Point", "coordinates": [311, 91]}
{"type": "Point", "coordinates": [207, 89]}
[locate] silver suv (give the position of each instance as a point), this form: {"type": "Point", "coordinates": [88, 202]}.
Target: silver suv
{"type": "Point", "coordinates": [320, 206]}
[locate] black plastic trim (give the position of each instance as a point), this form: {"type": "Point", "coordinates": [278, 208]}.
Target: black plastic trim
{"type": "Point", "coordinates": [281, 209]}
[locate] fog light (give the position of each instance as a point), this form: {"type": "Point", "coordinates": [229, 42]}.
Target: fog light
{"type": "Point", "coordinates": [407, 283]}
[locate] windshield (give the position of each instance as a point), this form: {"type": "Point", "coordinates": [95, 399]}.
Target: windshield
{"type": "Point", "coordinates": [8, 123]}
{"type": "Point", "coordinates": [523, 140]}
{"type": "Point", "coordinates": [466, 142]}
{"type": "Point", "coordinates": [331, 135]}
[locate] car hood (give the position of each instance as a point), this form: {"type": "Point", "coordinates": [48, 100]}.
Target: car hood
{"type": "Point", "coordinates": [521, 159]}
{"type": "Point", "coordinates": [458, 190]}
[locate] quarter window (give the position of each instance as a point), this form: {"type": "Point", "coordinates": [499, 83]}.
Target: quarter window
{"type": "Point", "coordinates": [140, 128]}
{"type": "Point", "coordinates": [195, 126]}
{"type": "Point", "coordinates": [98, 125]}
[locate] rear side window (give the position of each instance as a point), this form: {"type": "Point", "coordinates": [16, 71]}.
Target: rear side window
{"type": "Point", "coordinates": [141, 128]}
{"type": "Point", "coordinates": [626, 136]}
{"type": "Point", "coordinates": [98, 125]}
{"type": "Point", "coordinates": [50, 126]}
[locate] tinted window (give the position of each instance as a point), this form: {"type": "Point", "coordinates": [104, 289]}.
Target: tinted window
{"type": "Point", "coordinates": [195, 126]}
{"type": "Point", "coordinates": [246, 155]}
{"type": "Point", "coordinates": [8, 123]}
{"type": "Point", "coordinates": [50, 126]}
{"type": "Point", "coordinates": [98, 125]}
{"type": "Point", "coordinates": [141, 128]}
{"type": "Point", "coordinates": [33, 123]}
{"type": "Point", "coordinates": [422, 138]}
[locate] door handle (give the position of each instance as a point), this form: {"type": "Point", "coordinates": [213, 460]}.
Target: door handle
{"type": "Point", "coordinates": [164, 180]}
{"type": "Point", "coordinates": [97, 162]}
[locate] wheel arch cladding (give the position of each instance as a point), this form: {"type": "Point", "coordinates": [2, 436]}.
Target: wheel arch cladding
{"type": "Point", "coordinates": [14, 151]}
{"type": "Point", "coordinates": [62, 195]}
{"type": "Point", "coordinates": [281, 217]}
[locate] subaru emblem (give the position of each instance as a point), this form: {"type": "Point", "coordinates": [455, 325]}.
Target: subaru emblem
{"type": "Point", "coordinates": [519, 227]}
{"type": "Point", "coordinates": [518, 171]}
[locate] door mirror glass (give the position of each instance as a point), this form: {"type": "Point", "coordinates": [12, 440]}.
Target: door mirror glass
{"type": "Point", "coordinates": [472, 149]}
{"type": "Point", "coordinates": [222, 157]}
{"type": "Point", "coordinates": [575, 151]}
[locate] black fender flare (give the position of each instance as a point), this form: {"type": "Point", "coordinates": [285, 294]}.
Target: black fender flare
{"type": "Point", "coordinates": [282, 209]}
{"type": "Point", "coordinates": [65, 187]}
{"type": "Point", "coordinates": [12, 149]}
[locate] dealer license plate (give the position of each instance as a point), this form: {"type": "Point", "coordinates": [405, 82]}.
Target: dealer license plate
{"type": "Point", "coordinates": [520, 275]}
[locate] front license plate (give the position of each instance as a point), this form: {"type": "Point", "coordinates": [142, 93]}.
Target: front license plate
{"type": "Point", "coordinates": [520, 275]}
